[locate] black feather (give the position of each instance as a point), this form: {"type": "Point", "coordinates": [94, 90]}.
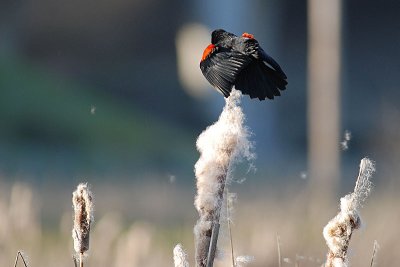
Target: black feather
{"type": "Point", "coordinates": [259, 80]}
{"type": "Point", "coordinates": [241, 62]}
{"type": "Point", "coordinates": [222, 67]}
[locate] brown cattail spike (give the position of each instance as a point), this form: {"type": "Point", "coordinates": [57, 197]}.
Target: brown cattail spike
{"type": "Point", "coordinates": [82, 201]}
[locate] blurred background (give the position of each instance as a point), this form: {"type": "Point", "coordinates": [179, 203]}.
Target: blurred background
{"type": "Point", "coordinates": [110, 92]}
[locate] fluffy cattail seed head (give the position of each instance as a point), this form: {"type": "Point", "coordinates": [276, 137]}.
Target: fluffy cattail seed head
{"type": "Point", "coordinates": [82, 200]}
{"type": "Point", "coordinates": [221, 145]}
{"type": "Point", "coordinates": [180, 256]}
{"type": "Point", "coordinates": [339, 230]}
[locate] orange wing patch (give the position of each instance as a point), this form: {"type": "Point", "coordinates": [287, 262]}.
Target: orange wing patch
{"type": "Point", "coordinates": [209, 49]}
{"type": "Point", "coordinates": [248, 35]}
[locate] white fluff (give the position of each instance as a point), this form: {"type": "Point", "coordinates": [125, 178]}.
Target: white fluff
{"type": "Point", "coordinates": [220, 145]}
{"type": "Point", "coordinates": [338, 231]}
{"type": "Point", "coordinates": [180, 257]}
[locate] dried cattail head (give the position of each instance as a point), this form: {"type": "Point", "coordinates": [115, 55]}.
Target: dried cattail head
{"type": "Point", "coordinates": [221, 145]}
{"type": "Point", "coordinates": [180, 257]}
{"type": "Point", "coordinates": [82, 201]}
{"type": "Point", "coordinates": [339, 230]}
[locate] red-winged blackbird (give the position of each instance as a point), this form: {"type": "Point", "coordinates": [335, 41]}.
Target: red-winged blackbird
{"type": "Point", "coordinates": [239, 61]}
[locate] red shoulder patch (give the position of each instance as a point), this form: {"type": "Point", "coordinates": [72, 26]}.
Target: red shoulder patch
{"type": "Point", "coordinates": [209, 49]}
{"type": "Point", "coordinates": [248, 35]}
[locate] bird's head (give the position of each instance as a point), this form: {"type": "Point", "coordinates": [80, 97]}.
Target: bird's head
{"type": "Point", "coordinates": [217, 35]}
{"type": "Point", "coordinates": [220, 35]}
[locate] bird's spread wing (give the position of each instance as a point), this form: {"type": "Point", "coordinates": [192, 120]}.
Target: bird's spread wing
{"type": "Point", "coordinates": [259, 80]}
{"type": "Point", "coordinates": [271, 62]}
{"type": "Point", "coordinates": [222, 67]}
{"type": "Point", "coordinates": [262, 77]}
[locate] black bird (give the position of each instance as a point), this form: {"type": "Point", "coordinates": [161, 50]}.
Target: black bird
{"type": "Point", "coordinates": [240, 61]}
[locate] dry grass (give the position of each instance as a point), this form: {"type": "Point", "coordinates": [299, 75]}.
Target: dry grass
{"type": "Point", "coordinates": [260, 213]}
{"type": "Point", "coordinates": [116, 241]}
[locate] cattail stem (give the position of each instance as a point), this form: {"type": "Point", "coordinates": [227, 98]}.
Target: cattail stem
{"type": "Point", "coordinates": [278, 243]}
{"type": "Point", "coordinates": [374, 252]}
{"type": "Point", "coordinates": [74, 259]}
{"type": "Point", "coordinates": [213, 244]}
{"type": "Point", "coordinates": [80, 259]}
{"type": "Point", "coordinates": [216, 225]}
{"type": "Point", "coordinates": [229, 227]}
{"type": "Point", "coordinates": [217, 214]}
